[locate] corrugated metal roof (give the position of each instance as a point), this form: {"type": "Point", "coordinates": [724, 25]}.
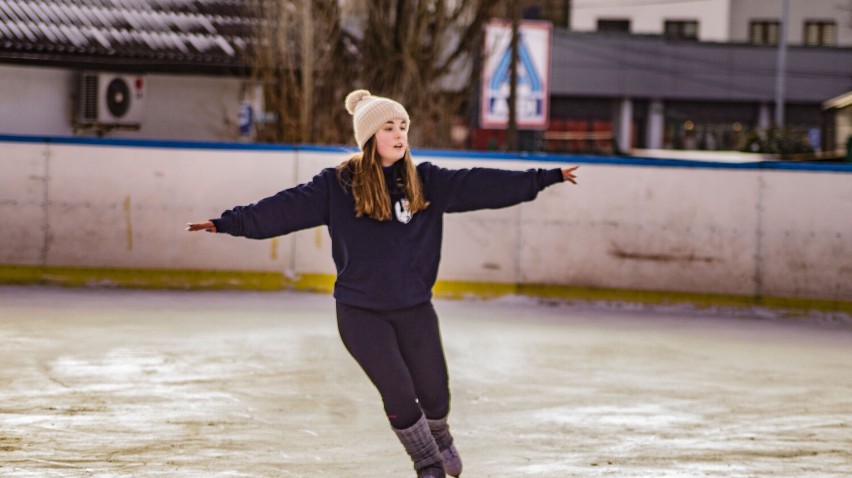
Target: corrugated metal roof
{"type": "Point", "coordinates": [139, 32]}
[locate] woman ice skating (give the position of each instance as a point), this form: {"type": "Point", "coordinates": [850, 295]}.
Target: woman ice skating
{"type": "Point", "coordinates": [384, 215]}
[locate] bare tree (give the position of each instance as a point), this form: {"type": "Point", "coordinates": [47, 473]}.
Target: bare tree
{"type": "Point", "coordinates": [423, 52]}
{"type": "Point", "coordinates": [300, 59]}
{"type": "Point", "coordinates": [420, 52]}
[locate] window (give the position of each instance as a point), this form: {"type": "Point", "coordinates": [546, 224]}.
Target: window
{"type": "Point", "coordinates": [820, 33]}
{"type": "Point", "coordinates": [681, 30]}
{"type": "Point", "coordinates": [764, 32]}
{"type": "Point", "coordinates": [613, 25]}
{"type": "Point", "coordinates": [552, 11]}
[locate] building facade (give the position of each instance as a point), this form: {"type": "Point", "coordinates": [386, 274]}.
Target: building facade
{"type": "Point", "coordinates": [146, 69]}
{"type": "Point", "coordinates": [654, 93]}
{"type": "Point", "coordinates": [696, 75]}
{"type": "Point", "coordinates": [810, 23]}
{"type": "Point", "coordinates": [628, 74]}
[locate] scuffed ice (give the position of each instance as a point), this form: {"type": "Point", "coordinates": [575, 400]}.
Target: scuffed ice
{"type": "Point", "coordinates": [113, 383]}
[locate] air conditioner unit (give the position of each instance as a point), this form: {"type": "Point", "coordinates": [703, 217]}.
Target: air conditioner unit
{"type": "Point", "coordinates": [111, 99]}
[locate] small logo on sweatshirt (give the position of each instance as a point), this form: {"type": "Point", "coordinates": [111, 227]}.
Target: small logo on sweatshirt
{"type": "Point", "coordinates": [403, 214]}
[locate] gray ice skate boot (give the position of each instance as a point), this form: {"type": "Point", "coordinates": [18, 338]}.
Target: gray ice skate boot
{"type": "Point", "coordinates": [449, 455]}
{"type": "Point", "coordinates": [421, 447]}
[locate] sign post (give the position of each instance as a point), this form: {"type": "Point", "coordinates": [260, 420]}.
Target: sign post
{"type": "Point", "coordinates": [532, 102]}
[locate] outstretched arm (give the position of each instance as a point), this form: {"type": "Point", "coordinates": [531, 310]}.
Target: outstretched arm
{"type": "Point", "coordinates": [288, 211]}
{"type": "Point", "coordinates": [460, 190]}
{"type": "Point", "coordinates": [201, 226]}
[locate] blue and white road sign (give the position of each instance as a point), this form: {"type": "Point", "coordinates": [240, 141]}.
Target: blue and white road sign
{"type": "Point", "coordinates": [533, 85]}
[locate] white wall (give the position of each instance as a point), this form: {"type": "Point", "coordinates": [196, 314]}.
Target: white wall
{"type": "Point", "coordinates": [185, 107]}
{"type": "Point", "coordinates": [750, 232]}
{"type": "Point", "coordinates": [39, 101]}
{"type": "Point", "coordinates": [649, 17]}
{"type": "Point", "coordinates": [35, 100]}
{"type": "Point", "coordinates": [744, 11]}
{"type": "Point", "coordinates": [719, 20]}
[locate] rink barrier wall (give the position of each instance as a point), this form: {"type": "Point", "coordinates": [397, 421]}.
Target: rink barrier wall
{"type": "Point", "coordinates": [78, 211]}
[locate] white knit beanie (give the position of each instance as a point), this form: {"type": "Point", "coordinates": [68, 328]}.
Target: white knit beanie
{"type": "Point", "coordinates": [370, 112]}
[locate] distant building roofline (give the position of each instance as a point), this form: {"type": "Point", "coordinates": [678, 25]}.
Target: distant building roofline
{"type": "Point", "coordinates": [838, 102]}
{"type": "Point", "coordinates": [214, 36]}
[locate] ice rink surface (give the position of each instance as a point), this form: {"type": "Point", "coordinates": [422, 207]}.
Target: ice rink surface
{"type": "Point", "coordinates": [114, 383]}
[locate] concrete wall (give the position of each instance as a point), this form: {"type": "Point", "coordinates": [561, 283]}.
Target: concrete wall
{"type": "Point", "coordinates": [748, 230]}
{"type": "Point", "coordinates": [39, 101]}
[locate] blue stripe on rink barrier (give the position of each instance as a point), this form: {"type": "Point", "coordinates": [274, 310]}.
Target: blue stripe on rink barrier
{"type": "Point", "coordinates": [833, 167]}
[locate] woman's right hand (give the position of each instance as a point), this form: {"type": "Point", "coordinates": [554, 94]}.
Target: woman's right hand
{"type": "Point", "coordinates": [201, 226]}
{"type": "Point", "coordinates": [568, 174]}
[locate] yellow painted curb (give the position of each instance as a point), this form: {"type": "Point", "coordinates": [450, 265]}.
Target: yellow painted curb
{"type": "Point", "coordinates": [324, 283]}
{"type": "Point", "coordinates": [142, 278]}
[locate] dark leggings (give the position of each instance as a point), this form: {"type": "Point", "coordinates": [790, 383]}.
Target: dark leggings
{"type": "Point", "coordinates": [401, 352]}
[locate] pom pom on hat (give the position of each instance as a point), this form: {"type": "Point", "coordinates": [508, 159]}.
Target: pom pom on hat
{"type": "Point", "coordinates": [353, 98]}
{"type": "Point", "coordinates": [370, 112]}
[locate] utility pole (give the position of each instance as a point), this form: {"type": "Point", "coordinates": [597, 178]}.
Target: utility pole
{"type": "Point", "coordinates": [781, 69]}
{"type": "Point", "coordinates": [512, 128]}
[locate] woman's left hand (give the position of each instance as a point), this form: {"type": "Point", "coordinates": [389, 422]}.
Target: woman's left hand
{"type": "Point", "coordinates": [201, 226]}
{"type": "Point", "coordinates": [568, 174]}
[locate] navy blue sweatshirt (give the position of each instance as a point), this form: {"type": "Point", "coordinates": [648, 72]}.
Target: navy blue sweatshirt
{"type": "Point", "coordinates": [391, 264]}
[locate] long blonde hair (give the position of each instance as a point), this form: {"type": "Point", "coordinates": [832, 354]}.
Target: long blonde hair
{"type": "Point", "coordinates": [362, 174]}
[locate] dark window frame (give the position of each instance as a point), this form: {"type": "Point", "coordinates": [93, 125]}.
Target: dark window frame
{"type": "Point", "coordinates": [680, 29]}
{"type": "Point", "coordinates": [764, 32]}
{"type": "Point", "coordinates": [825, 30]}
{"type": "Point", "coordinates": [618, 25]}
